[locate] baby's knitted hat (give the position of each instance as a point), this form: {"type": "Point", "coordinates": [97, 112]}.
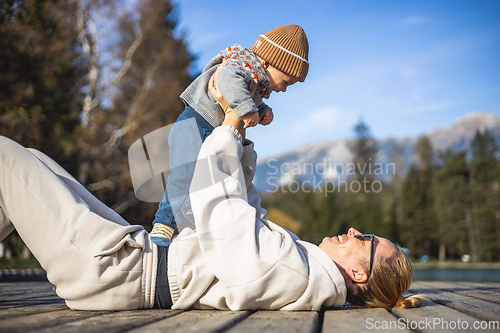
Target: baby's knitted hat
{"type": "Point", "coordinates": [286, 49]}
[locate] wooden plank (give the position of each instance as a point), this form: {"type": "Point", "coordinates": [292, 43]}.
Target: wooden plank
{"type": "Point", "coordinates": [25, 284]}
{"type": "Point", "coordinates": [279, 321]}
{"type": "Point", "coordinates": [30, 309]}
{"type": "Point", "coordinates": [485, 295]}
{"type": "Point", "coordinates": [26, 295]}
{"type": "Point", "coordinates": [20, 294]}
{"type": "Point", "coordinates": [195, 321]}
{"type": "Point", "coordinates": [44, 320]}
{"type": "Point", "coordinates": [119, 321]}
{"type": "Point", "coordinates": [494, 287]}
{"type": "Point", "coordinates": [31, 302]}
{"type": "Point", "coordinates": [13, 292]}
{"type": "Point", "coordinates": [360, 320]}
{"type": "Point", "coordinates": [475, 307]}
{"type": "Point", "coordinates": [34, 301]}
{"type": "Point", "coordinates": [17, 295]}
{"type": "Point", "coordinates": [25, 303]}
{"type": "Point", "coordinates": [32, 285]}
{"type": "Point", "coordinates": [431, 317]}
{"type": "Point", "coordinates": [28, 306]}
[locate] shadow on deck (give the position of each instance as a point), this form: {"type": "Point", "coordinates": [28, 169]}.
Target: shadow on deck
{"type": "Point", "coordinates": [460, 306]}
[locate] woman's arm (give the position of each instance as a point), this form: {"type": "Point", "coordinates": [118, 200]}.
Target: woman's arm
{"type": "Point", "coordinates": [243, 253]}
{"type": "Point", "coordinates": [258, 264]}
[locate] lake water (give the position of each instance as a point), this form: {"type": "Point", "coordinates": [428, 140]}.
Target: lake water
{"type": "Point", "coordinates": [456, 274]}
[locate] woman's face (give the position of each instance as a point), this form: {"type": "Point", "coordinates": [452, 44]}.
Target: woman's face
{"type": "Point", "coordinates": [352, 254]}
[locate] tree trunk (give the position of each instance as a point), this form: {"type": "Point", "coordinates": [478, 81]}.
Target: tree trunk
{"type": "Point", "coordinates": [442, 250]}
{"type": "Point", "coordinates": [472, 238]}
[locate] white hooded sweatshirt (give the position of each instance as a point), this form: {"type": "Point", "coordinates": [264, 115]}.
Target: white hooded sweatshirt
{"type": "Point", "coordinates": [237, 259]}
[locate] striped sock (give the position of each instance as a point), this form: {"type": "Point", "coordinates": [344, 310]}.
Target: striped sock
{"type": "Point", "coordinates": [162, 234]}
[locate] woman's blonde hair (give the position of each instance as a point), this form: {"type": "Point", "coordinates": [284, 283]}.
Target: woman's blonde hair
{"type": "Point", "coordinates": [390, 278]}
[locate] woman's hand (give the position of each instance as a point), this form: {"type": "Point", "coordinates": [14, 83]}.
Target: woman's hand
{"type": "Point", "coordinates": [250, 119]}
{"type": "Point", "coordinates": [212, 87]}
{"type": "Point", "coordinates": [230, 117]}
{"type": "Point", "coordinates": [214, 90]}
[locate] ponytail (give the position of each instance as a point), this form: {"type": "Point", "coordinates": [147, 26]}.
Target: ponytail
{"type": "Point", "coordinates": [413, 301]}
{"type": "Point", "coordinates": [386, 285]}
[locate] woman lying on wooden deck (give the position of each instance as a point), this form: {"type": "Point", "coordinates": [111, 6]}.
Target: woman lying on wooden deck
{"type": "Point", "coordinates": [235, 260]}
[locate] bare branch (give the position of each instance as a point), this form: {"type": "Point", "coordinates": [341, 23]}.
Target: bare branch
{"type": "Point", "coordinates": [93, 54]}
{"type": "Point", "coordinates": [81, 31]}
{"type": "Point", "coordinates": [105, 183]}
{"type": "Point", "coordinates": [114, 140]}
{"type": "Point", "coordinates": [121, 206]}
{"type": "Point", "coordinates": [139, 36]}
{"type": "Point", "coordinates": [86, 26]}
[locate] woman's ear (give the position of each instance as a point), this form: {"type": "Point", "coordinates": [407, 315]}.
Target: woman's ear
{"type": "Point", "coordinates": [265, 64]}
{"type": "Point", "coordinates": [357, 276]}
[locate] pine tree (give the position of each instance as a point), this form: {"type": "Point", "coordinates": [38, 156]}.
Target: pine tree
{"type": "Point", "coordinates": [40, 71]}
{"type": "Point", "coordinates": [364, 207]}
{"type": "Point", "coordinates": [332, 215]}
{"type": "Point", "coordinates": [485, 177]}
{"type": "Point", "coordinates": [364, 150]}
{"type": "Point", "coordinates": [456, 235]}
{"type": "Point", "coordinates": [418, 227]}
{"type": "Point", "coordinates": [395, 212]}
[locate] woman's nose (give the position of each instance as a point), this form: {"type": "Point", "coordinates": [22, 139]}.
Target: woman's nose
{"type": "Point", "coordinates": [353, 232]}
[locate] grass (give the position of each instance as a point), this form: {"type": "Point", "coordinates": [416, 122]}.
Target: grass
{"type": "Point", "coordinates": [16, 263]}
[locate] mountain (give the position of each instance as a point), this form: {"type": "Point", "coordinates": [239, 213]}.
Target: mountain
{"type": "Point", "coordinates": [458, 135]}
{"type": "Point", "coordinates": [331, 161]}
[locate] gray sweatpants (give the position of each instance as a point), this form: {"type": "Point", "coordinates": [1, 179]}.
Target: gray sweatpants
{"type": "Point", "coordinates": [94, 257]}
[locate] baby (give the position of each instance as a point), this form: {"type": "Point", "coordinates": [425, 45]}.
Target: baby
{"type": "Point", "coordinates": [276, 60]}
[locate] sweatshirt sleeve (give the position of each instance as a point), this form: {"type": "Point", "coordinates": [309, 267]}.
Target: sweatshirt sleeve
{"type": "Point", "coordinates": [249, 166]}
{"type": "Point", "coordinates": [233, 85]}
{"type": "Point", "coordinates": [260, 266]}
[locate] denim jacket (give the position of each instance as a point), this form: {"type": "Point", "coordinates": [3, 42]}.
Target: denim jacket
{"type": "Point", "coordinates": [233, 84]}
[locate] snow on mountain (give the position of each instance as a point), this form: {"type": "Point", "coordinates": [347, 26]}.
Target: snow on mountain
{"type": "Point", "coordinates": [331, 161]}
{"type": "Point", "coordinates": [459, 134]}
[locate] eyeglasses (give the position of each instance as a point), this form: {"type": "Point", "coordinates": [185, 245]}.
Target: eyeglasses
{"type": "Point", "coordinates": [372, 238]}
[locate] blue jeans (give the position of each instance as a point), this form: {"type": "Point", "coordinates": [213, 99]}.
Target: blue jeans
{"type": "Point", "coordinates": [184, 144]}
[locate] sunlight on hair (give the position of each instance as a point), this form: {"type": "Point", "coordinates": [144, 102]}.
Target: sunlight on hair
{"type": "Point", "coordinates": [385, 287]}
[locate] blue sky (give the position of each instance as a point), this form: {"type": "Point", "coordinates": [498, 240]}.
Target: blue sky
{"type": "Point", "coordinates": [404, 67]}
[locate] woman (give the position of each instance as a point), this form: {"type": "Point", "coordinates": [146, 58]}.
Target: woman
{"type": "Point", "coordinates": [236, 259]}
{"type": "Point", "coordinates": [375, 278]}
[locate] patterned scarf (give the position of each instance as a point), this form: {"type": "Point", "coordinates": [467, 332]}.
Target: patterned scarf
{"type": "Point", "coordinates": [247, 61]}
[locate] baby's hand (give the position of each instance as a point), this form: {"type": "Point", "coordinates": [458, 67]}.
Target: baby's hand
{"type": "Point", "coordinates": [267, 118]}
{"type": "Point", "coordinates": [250, 119]}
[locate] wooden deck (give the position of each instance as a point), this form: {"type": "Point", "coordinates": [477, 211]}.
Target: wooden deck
{"type": "Point", "coordinates": [34, 307]}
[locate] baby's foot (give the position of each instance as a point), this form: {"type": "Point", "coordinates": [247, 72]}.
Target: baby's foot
{"type": "Point", "coordinates": [162, 234]}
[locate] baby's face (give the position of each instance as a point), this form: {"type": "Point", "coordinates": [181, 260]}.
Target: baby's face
{"type": "Point", "coordinates": [279, 80]}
